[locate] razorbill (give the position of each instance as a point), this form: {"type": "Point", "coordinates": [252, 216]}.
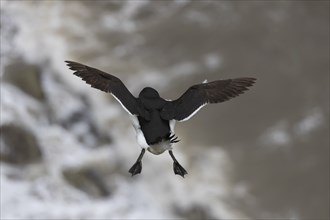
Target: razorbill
{"type": "Point", "coordinates": [154, 117]}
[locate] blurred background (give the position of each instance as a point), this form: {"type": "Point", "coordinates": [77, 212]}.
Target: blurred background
{"type": "Point", "coordinates": [66, 148]}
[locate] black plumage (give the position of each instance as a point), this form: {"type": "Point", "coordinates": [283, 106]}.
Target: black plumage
{"type": "Point", "coordinates": [202, 94]}
{"type": "Point", "coordinates": [154, 115]}
{"type": "Point", "coordinates": [108, 83]}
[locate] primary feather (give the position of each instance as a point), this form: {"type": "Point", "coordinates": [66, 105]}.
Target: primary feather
{"type": "Point", "coordinates": [199, 95]}
{"type": "Point", "coordinates": [107, 83]}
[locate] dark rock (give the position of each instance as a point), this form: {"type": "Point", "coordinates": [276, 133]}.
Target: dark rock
{"type": "Point", "coordinates": [75, 118]}
{"type": "Point", "coordinates": [26, 77]}
{"type": "Point", "coordinates": [19, 146]}
{"type": "Point", "coordinates": [88, 180]}
{"type": "Point", "coordinates": [82, 116]}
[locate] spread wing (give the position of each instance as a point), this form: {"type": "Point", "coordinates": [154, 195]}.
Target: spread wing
{"type": "Point", "coordinates": [199, 95]}
{"type": "Point", "coordinates": [107, 83]}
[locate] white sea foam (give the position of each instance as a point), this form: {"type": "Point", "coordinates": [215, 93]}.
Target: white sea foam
{"type": "Point", "coordinates": [47, 34]}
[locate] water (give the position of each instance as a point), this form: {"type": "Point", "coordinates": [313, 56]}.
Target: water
{"type": "Point", "coordinates": [262, 155]}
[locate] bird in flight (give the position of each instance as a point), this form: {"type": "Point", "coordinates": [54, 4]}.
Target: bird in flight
{"type": "Point", "coordinates": [154, 117]}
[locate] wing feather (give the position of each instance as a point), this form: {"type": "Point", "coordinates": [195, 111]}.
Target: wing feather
{"type": "Point", "coordinates": [106, 83]}
{"type": "Point", "coordinates": [199, 95]}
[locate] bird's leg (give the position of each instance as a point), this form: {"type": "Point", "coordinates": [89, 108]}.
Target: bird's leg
{"type": "Point", "coordinates": [178, 169]}
{"type": "Point", "coordinates": [137, 167]}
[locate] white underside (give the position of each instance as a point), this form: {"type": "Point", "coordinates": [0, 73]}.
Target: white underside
{"type": "Point", "coordinates": [160, 147]}
{"type": "Point", "coordinates": [139, 134]}
{"type": "Point", "coordinates": [156, 148]}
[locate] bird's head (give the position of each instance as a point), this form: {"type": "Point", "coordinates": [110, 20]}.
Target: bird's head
{"type": "Point", "coordinates": [148, 92]}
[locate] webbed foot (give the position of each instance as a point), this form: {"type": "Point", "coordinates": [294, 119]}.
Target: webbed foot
{"type": "Point", "coordinates": [178, 169]}
{"type": "Point", "coordinates": [137, 167]}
